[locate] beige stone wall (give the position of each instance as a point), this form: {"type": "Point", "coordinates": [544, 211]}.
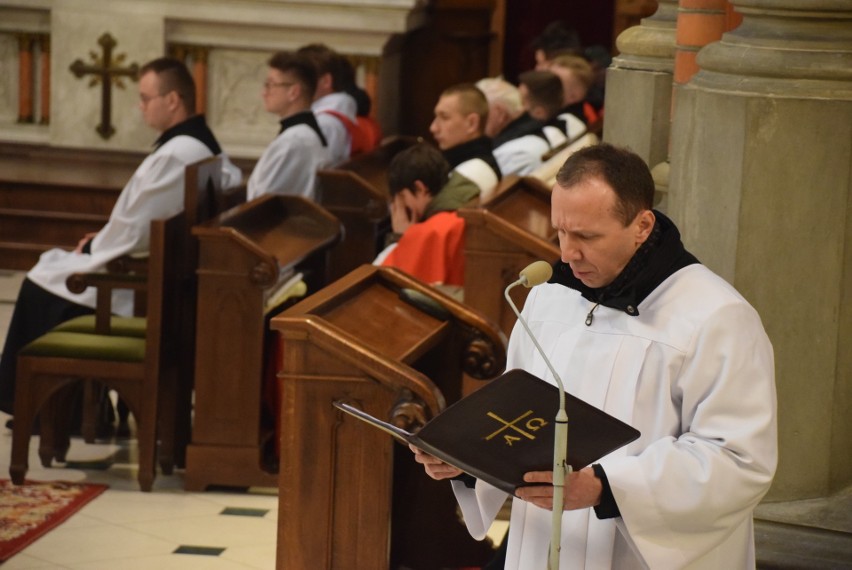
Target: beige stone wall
{"type": "Point", "coordinates": [237, 35]}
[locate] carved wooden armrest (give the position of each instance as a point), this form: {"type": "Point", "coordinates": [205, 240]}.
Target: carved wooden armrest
{"type": "Point", "coordinates": [105, 283]}
{"type": "Point", "coordinates": [129, 263]}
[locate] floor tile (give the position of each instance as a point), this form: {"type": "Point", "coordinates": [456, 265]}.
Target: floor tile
{"type": "Point", "coordinates": [70, 546]}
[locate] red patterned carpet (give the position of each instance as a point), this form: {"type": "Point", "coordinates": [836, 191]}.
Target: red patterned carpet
{"type": "Point", "coordinates": [29, 511]}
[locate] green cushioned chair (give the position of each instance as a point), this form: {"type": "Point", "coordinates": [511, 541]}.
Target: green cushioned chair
{"type": "Point", "coordinates": [64, 344]}
{"type": "Point", "coordinates": [141, 367]}
{"type": "Point", "coordinates": [119, 326]}
{"type": "Point", "coordinates": [147, 361]}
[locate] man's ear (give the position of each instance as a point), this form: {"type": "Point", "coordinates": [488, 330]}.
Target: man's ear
{"type": "Point", "coordinates": [325, 82]}
{"type": "Point", "coordinates": [420, 189]}
{"type": "Point", "coordinates": [472, 123]}
{"type": "Point", "coordinates": [173, 101]}
{"type": "Point", "coordinates": [645, 221]}
{"type": "Point", "coordinates": [296, 91]}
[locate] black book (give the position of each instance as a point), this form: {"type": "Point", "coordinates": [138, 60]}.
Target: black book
{"type": "Point", "coordinates": [506, 428]}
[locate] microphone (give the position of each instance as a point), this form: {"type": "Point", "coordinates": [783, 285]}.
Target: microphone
{"type": "Point", "coordinates": [534, 274]}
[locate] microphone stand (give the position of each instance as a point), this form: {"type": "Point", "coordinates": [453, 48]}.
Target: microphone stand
{"type": "Point", "coordinates": [560, 442]}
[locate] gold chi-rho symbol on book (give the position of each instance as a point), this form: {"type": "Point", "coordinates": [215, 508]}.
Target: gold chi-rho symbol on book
{"type": "Point", "coordinates": [510, 430]}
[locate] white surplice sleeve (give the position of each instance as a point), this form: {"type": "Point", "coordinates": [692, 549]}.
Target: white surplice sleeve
{"type": "Point", "coordinates": [689, 493]}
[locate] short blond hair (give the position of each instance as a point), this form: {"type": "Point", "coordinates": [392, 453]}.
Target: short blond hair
{"type": "Point", "coordinates": [471, 100]}
{"type": "Point", "coordinates": [581, 68]}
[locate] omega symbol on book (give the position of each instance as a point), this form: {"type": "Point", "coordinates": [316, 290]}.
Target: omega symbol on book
{"type": "Point", "coordinates": [510, 430]}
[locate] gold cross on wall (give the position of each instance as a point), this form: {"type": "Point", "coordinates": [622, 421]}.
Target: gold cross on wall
{"type": "Point", "coordinates": [107, 73]}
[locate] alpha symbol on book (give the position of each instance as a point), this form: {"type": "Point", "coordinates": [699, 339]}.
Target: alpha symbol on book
{"type": "Point", "coordinates": [515, 430]}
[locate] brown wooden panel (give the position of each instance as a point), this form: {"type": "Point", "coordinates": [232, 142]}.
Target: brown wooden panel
{"type": "Point", "coordinates": [501, 238]}
{"type": "Point", "coordinates": [342, 526]}
{"type": "Point", "coordinates": [357, 193]}
{"type": "Point", "coordinates": [47, 227]}
{"type": "Point", "coordinates": [350, 341]}
{"type": "Point", "coordinates": [369, 315]}
{"type": "Point", "coordinates": [243, 255]}
{"type": "Point", "coordinates": [458, 36]}
{"type": "Point", "coordinates": [52, 197]}
{"type": "Point", "coordinates": [59, 197]}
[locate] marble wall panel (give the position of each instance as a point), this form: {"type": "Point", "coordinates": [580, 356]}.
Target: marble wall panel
{"type": "Point", "coordinates": [235, 108]}
{"type": "Point", "coordinates": [8, 79]}
{"type": "Point", "coordinates": [75, 103]}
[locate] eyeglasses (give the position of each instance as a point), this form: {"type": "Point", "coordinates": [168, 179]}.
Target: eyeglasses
{"type": "Point", "coordinates": [148, 98]}
{"type": "Point", "coordinates": [271, 84]}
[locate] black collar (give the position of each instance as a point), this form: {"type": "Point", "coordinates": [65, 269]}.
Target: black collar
{"type": "Point", "coordinates": [195, 127]}
{"type": "Point", "coordinates": [520, 127]}
{"type": "Point", "coordinates": [477, 148]}
{"type": "Point", "coordinates": [577, 109]}
{"type": "Point", "coordinates": [655, 261]}
{"type": "Point", "coordinates": [303, 118]}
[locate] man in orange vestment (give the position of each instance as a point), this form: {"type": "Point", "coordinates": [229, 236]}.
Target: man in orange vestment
{"type": "Point", "coordinates": [430, 244]}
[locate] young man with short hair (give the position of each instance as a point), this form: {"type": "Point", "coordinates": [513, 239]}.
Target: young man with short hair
{"type": "Point", "coordinates": [459, 130]}
{"type": "Point", "coordinates": [430, 234]}
{"type": "Point", "coordinates": [541, 92]}
{"type": "Point", "coordinates": [577, 76]}
{"type": "Point", "coordinates": [332, 105]}
{"type": "Point", "coordinates": [290, 162]}
{"type": "Point", "coordinates": [155, 191]}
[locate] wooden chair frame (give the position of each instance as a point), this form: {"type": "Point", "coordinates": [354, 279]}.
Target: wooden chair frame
{"type": "Point", "coordinates": [146, 386]}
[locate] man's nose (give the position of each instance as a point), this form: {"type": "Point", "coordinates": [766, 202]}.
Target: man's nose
{"type": "Point", "coordinates": [569, 250]}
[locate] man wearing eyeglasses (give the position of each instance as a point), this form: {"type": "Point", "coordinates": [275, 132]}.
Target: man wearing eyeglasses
{"type": "Point", "coordinates": [155, 191]}
{"type": "Point", "coordinates": [290, 162]}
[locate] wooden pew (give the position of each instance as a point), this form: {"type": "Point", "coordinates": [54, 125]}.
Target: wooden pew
{"type": "Point", "coordinates": [245, 255]}
{"type": "Point", "coordinates": [502, 236]}
{"type": "Point", "coordinates": [349, 496]}
{"type": "Point", "coordinates": [554, 159]}
{"type": "Point", "coordinates": [357, 193]}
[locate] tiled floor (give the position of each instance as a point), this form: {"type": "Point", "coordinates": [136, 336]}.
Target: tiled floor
{"type": "Point", "coordinates": [126, 529]}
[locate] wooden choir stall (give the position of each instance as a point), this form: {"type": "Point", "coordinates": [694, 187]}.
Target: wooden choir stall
{"type": "Point", "coordinates": [349, 495]}
{"type": "Point", "coordinates": [503, 236]}
{"type": "Point", "coordinates": [248, 257]}
{"type": "Point", "coordinates": [357, 193]}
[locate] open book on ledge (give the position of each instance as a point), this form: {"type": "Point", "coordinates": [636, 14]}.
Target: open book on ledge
{"type": "Point", "coordinates": [506, 428]}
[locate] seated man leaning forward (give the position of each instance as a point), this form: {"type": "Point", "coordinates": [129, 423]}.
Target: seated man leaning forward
{"type": "Point", "coordinates": [459, 130]}
{"type": "Point", "coordinates": [430, 234]}
{"type": "Point", "coordinates": [519, 140]}
{"type": "Point", "coordinates": [541, 93]}
{"type": "Point", "coordinates": [289, 164]}
{"type": "Point", "coordinates": [155, 191]}
{"type": "Point", "coordinates": [637, 327]}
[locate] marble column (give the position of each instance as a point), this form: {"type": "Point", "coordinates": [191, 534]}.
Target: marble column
{"type": "Point", "coordinates": [761, 168]}
{"type": "Point", "coordinates": [639, 86]}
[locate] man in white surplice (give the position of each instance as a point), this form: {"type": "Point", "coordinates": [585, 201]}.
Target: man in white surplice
{"type": "Point", "coordinates": [636, 326]}
{"type": "Point", "coordinates": [335, 109]}
{"type": "Point", "coordinates": [289, 164]}
{"type": "Point", "coordinates": [155, 191]}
